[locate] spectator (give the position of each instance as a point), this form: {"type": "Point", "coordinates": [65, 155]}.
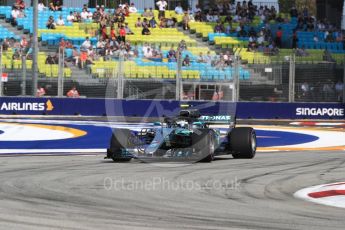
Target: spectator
{"type": "Point", "coordinates": [70, 17]}
{"type": "Point", "coordinates": [301, 52]}
{"type": "Point", "coordinates": [163, 23]}
{"type": "Point", "coordinates": [145, 14]}
{"type": "Point", "coordinates": [49, 60]}
{"type": "Point", "coordinates": [228, 29]}
{"type": "Point", "coordinates": [171, 22]}
{"type": "Point", "coordinates": [86, 44]}
{"type": "Point", "coordinates": [55, 58]}
{"type": "Point", "coordinates": [327, 90]}
{"type": "Point", "coordinates": [162, 5]}
{"type": "Point", "coordinates": [339, 87]}
{"type": "Point", "coordinates": [179, 9]}
{"type": "Point", "coordinates": [329, 37]}
{"type": "Point", "coordinates": [145, 47]}
{"type": "Point", "coordinates": [294, 39]}
{"type": "Point", "coordinates": [58, 6]}
{"type": "Point", "coordinates": [60, 21]}
{"type": "Point", "coordinates": [145, 31]}
{"type": "Point", "coordinates": [15, 13]}
{"type": "Point", "coordinates": [220, 64]}
{"type": "Point", "coordinates": [5, 44]}
{"type": "Point", "coordinates": [305, 89]}
{"type": "Point", "coordinates": [148, 53]}
{"type": "Point", "coordinates": [199, 17]}
{"type": "Point", "coordinates": [100, 44]}
{"type": "Point", "coordinates": [16, 55]}
{"type": "Point", "coordinates": [153, 22]}
{"type": "Point", "coordinates": [122, 34]}
{"type": "Point", "coordinates": [73, 93]}
{"type": "Point", "coordinates": [186, 61]}
{"type": "Point", "coordinates": [185, 21]}
{"type": "Point", "coordinates": [293, 12]}
{"type": "Point", "coordinates": [197, 9]}
{"type": "Point", "coordinates": [23, 42]}
{"type": "Point", "coordinates": [200, 58]}
{"type": "Point", "coordinates": [84, 15]}
{"type": "Point", "coordinates": [20, 4]}
{"type": "Point", "coordinates": [171, 55]}
{"type": "Point", "coordinates": [327, 56]}
{"type": "Point", "coordinates": [132, 8]}
{"type": "Point", "coordinates": [339, 37]}
{"type": "Point", "coordinates": [52, 7]}
{"type": "Point", "coordinates": [51, 23]}
{"type": "Point", "coordinates": [209, 17]}
{"type": "Point", "coordinates": [83, 58]}
{"type": "Point", "coordinates": [157, 53]}
{"type": "Point", "coordinates": [208, 58]}
{"type": "Point", "coordinates": [85, 7]}
{"type": "Point", "coordinates": [40, 92]}
{"type": "Point", "coordinates": [62, 43]}
{"type": "Point", "coordinates": [138, 23]}
{"type": "Point", "coordinates": [104, 34]}
{"type": "Point", "coordinates": [41, 6]}
{"type": "Point", "coordinates": [182, 45]}
{"type": "Point", "coordinates": [227, 58]}
{"type": "Point", "coordinates": [145, 23]}
{"type": "Point", "coordinates": [279, 36]}
{"type": "Point", "coordinates": [127, 29]}
{"type": "Point", "coordinates": [112, 33]}
{"type": "Point", "coordinates": [150, 13]}
{"type": "Point", "coordinates": [219, 28]}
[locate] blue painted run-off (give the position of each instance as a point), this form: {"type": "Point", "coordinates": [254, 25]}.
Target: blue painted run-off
{"type": "Point", "coordinates": [280, 138]}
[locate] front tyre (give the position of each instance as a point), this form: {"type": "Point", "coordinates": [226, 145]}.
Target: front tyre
{"type": "Point", "coordinates": [121, 139]}
{"type": "Point", "coordinates": [204, 143]}
{"type": "Point", "coordinates": [243, 142]}
{"type": "Point", "coordinates": [209, 148]}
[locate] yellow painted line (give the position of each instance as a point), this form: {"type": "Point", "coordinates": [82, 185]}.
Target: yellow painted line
{"type": "Point", "coordinates": [75, 132]}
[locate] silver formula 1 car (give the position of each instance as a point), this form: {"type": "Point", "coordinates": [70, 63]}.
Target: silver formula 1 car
{"type": "Point", "coordinates": [188, 137]}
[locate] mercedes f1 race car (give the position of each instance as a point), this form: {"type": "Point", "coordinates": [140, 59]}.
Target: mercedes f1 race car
{"type": "Point", "coordinates": [188, 137]}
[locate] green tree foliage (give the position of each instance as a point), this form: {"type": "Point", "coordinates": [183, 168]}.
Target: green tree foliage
{"type": "Point", "coordinates": [285, 5]}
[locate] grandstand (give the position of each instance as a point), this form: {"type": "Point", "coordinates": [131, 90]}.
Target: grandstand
{"type": "Point", "coordinates": [262, 64]}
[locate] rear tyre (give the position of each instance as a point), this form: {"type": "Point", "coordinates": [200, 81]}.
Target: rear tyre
{"type": "Point", "coordinates": [243, 143]}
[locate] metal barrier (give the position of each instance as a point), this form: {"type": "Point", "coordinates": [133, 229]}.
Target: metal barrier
{"type": "Point", "coordinates": [287, 80]}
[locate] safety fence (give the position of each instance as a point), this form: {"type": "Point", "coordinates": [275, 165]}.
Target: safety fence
{"type": "Point", "coordinates": [190, 75]}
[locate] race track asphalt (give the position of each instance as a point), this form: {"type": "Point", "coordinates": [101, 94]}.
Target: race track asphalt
{"type": "Point", "coordinates": [88, 192]}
